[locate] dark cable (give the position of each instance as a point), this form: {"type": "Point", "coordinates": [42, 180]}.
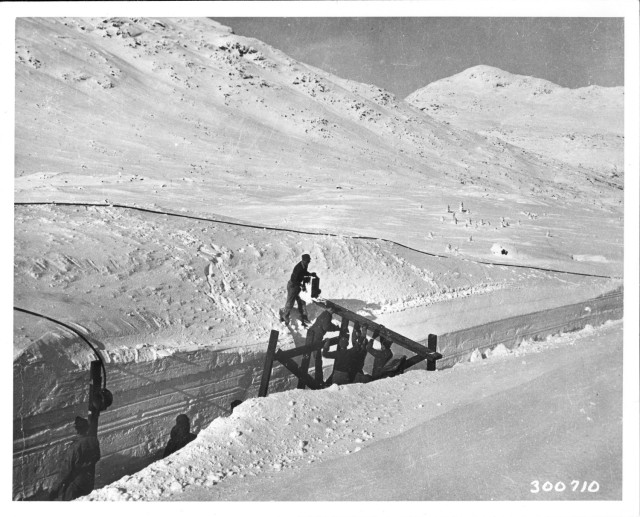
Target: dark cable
{"type": "Point", "coordinates": [104, 370]}
{"type": "Point", "coordinates": [148, 210]}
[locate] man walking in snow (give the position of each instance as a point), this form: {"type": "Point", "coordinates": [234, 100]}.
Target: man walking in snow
{"type": "Point", "coordinates": [296, 284]}
{"type": "Point", "coordinates": [79, 467]}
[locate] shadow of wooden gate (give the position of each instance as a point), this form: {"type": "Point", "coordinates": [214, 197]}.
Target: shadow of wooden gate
{"type": "Point", "coordinates": [301, 371]}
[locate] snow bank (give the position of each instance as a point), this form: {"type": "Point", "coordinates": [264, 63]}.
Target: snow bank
{"type": "Point", "coordinates": [203, 383]}
{"type": "Point", "coordinates": [475, 432]}
{"type": "Point", "coordinates": [148, 396]}
{"type": "Point", "coordinates": [466, 344]}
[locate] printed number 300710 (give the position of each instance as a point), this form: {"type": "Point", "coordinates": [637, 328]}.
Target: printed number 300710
{"type": "Point", "coordinates": [574, 486]}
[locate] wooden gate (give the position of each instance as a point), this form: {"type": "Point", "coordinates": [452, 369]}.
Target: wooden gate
{"type": "Point", "coordinates": [286, 357]}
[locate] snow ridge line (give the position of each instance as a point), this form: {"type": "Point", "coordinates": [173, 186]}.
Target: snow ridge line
{"type": "Point", "coordinates": [261, 227]}
{"type": "Point", "coordinates": [457, 345]}
{"type": "Point", "coordinates": [104, 370]}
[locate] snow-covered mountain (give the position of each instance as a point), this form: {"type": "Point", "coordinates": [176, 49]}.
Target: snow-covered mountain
{"type": "Point", "coordinates": [142, 101]}
{"type": "Point", "coordinates": [583, 127]}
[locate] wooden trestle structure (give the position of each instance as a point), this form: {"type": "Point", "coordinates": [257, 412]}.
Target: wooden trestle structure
{"type": "Point", "coordinates": [286, 357]}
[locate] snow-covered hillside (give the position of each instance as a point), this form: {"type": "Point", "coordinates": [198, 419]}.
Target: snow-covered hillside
{"type": "Point", "coordinates": [144, 111]}
{"type": "Point", "coordinates": [583, 126]}
{"type": "Point", "coordinates": [169, 174]}
{"type": "Point", "coordinates": [185, 117]}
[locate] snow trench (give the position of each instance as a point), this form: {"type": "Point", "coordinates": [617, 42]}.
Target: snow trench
{"type": "Point", "coordinates": [459, 345]}
{"type": "Point", "coordinates": [149, 394]}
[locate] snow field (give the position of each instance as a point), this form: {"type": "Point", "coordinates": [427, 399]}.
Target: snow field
{"type": "Point", "coordinates": [213, 124]}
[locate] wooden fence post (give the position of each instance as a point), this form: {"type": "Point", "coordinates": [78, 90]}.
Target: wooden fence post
{"type": "Point", "coordinates": [94, 387]}
{"type": "Point", "coordinates": [432, 343]}
{"type": "Point", "coordinates": [344, 325]}
{"type": "Point", "coordinates": [293, 367]}
{"type": "Point", "coordinates": [304, 367]}
{"type": "Point", "coordinates": [319, 376]}
{"type": "Point", "coordinates": [268, 364]}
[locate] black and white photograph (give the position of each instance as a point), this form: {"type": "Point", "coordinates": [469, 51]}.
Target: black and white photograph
{"type": "Point", "coordinates": [378, 253]}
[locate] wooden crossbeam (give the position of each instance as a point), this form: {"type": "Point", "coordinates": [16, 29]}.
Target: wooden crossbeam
{"type": "Point", "coordinates": [301, 350]}
{"type": "Point", "coordinates": [413, 361]}
{"type": "Point", "coordinates": [291, 365]}
{"type": "Point", "coordinates": [386, 333]}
